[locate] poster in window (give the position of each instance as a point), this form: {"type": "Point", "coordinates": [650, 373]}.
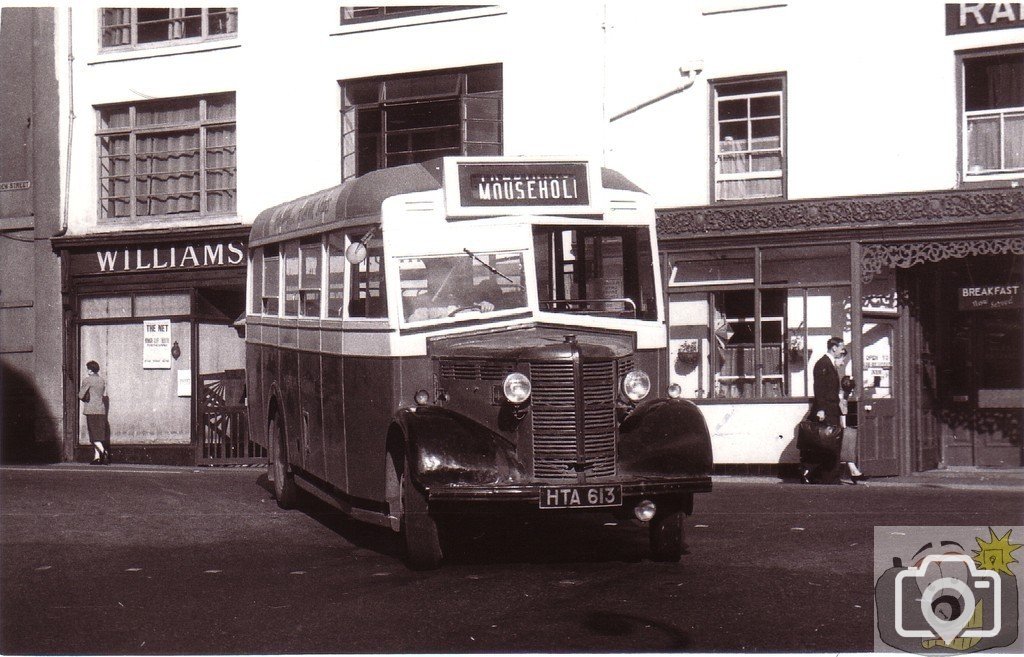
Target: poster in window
{"type": "Point", "coordinates": [156, 344]}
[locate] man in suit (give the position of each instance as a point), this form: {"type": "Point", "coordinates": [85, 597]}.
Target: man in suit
{"type": "Point", "coordinates": [826, 384]}
{"type": "Point", "coordinates": [820, 467]}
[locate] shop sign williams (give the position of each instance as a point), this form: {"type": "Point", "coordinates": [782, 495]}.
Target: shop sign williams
{"type": "Point", "coordinates": [182, 256]}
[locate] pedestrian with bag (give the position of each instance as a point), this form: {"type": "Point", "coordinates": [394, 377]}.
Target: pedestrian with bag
{"type": "Point", "coordinates": [93, 393]}
{"type": "Point", "coordinates": [820, 434]}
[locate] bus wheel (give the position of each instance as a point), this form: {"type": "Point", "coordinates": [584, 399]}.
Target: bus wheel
{"type": "Point", "coordinates": [417, 527]}
{"type": "Point", "coordinates": [668, 536]}
{"type": "Point", "coordinates": [285, 490]}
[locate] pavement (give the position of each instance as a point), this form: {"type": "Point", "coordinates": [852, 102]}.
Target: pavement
{"type": "Point", "coordinates": [954, 477]}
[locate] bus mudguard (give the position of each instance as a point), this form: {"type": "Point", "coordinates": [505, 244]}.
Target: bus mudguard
{"type": "Point", "coordinates": [446, 448]}
{"type": "Point", "coordinates": [664, 437]}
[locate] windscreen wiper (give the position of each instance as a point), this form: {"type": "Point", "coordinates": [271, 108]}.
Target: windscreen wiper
{"type": "Point", "coordinates": [492, 269]}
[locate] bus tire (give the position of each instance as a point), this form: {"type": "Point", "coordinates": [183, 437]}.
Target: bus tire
{"type": "Point", "coordinates": [417, 528]}
{"type": "Point", "coordinates": [286, 492]}
{"type": "Point", "coordinates": [668, 536]}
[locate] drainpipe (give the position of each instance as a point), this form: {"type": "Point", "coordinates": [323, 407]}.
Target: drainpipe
{"type": "Point", "coordinates": [689, 71]}
{"type": "Point", "coordinates": [63, 228]}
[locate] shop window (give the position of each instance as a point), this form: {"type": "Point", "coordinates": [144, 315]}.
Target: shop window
{"type": "Point", "coordinates": [167, 158]}
{"type": "Point", "coordinates": [368, 294]}
{"type": "Point", "coordinates": [105, 307]}
{"type": "Point", "coordinates": [993, 119]}
{"type": "Point", "coordinates": [271, 280]}
{"type": "Point", "coordinates": [309, 278]}
{"type": "Point", "coordinates": [335, 274]}
{"type": "Point", "coordinates": [413, 118]}
{"type": "Point", "coordinates": [733, 339]}
{"type": "Point", "coordinates": [131, 27]}
{"type": "Point", "coordinates": [290, 265]}
{"type": "Point", "coordinates": [748, 143]}
{"type": "Point", "coordinates": [162, 305]}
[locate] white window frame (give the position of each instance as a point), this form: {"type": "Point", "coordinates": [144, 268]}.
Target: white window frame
{"type": "Point", "coordinates": [966, 117]}
{"type": "Point", "coordinates": [717, 154]}
{"type": "Point", "coordinates": [133, 26]}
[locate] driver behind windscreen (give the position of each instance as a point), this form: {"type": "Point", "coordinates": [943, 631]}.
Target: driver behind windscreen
{"type": "Point", "coordinates": [450, 290]}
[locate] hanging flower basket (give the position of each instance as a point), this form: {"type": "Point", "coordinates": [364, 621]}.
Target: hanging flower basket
{"type": "Point", "coordinates": [689, 352]}
{"type": "Point", "coordinates": [796, 346]}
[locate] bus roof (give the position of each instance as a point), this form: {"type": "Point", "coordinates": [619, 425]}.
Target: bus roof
{"type": "Point", "coordinates": [357, 202]}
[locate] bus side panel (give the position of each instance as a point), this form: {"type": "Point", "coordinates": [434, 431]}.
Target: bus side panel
{"type": "Point", "coordinates": [369, 406]}
{"type": "Point", "coordinates": [288, 388]}
{"type": "Point", "coordinates": [310, 413]}
{"type": "Point", "coordinates": [254, 397]}
{"type": "Point", "coordinates": [334, 421]}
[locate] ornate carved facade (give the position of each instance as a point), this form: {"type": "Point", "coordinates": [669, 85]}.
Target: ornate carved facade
{"type": "Point", "coordinates": [857, 212]}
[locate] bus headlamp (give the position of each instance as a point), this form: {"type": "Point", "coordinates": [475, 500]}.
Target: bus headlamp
{"type": "Point", "coordinates": [675, 391]}
{"type": "Point", "coordinates": [516, 387]}
{"type": "Point", "coordinates": [422, 397]}
{"type": "Point", "coordinates": [636, 385]}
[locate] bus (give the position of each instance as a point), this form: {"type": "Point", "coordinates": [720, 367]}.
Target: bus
{"type": "Point", "coordinates": [482, 333]}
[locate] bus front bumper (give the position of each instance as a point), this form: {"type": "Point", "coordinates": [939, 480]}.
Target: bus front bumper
{"type": "Point", "coordinates": [532, 493]}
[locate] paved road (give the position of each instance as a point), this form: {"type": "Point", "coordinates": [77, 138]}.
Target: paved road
{"type": "Point", "coordinates": [149, 560]}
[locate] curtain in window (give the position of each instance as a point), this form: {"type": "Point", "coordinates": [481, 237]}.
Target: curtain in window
{"type": "Point", "coordinates": [167, 173]}
{"type": "Point", "coordinates": [117, 28]}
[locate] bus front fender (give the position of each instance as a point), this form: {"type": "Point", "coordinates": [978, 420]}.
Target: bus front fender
{"type": "Point", "coordinates": [445, 448]}
{"type": "Point", "coordinates": [665, 437]}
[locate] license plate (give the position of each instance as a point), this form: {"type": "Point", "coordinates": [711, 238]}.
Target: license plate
{"type": "Point", "coordinates": [571, 497]}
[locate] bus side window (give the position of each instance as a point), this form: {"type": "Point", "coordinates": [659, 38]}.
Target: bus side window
{"type": "Point", "coordinates": [291, 279]}
{"type": "Point", "coordinates": [309, 277]}
{"type": "Point", "coordinates": [335, 274]}
{"type": "Point", "coordinates": [256, 271]}
{"type": "Point", "coordinates": [271, 280]}
{"type": "Point", "coordinates": [368, 295]}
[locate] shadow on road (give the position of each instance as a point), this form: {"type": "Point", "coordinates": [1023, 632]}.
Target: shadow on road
{"type": "Point", "coordinates": [612, 624]}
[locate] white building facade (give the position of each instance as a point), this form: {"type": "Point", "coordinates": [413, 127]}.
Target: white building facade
{"type": "Point", "coordinates": [804, 156]}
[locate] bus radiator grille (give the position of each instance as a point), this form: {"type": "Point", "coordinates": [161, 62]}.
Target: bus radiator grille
{"type": "Point", "coordinates": [556, 456]}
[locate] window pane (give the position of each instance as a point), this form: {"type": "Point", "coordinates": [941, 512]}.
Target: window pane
{"type": "Point", "coordinates": [732, 109]}
{"type": "Point", "coordinates": [106, 307]}
{"type": "Point", "coordinates": [257, 281]}
{"type": "Point", "coordinates": [167, 112]}
{"type": "Point", "coordinates": [368, 294]}
{"type": "Point", "coordinates": [765, 133]}
{"type": "Point", "coordinates": [805, 265]}
{"type": "Point", "coordinates": [291, 279]}
{"type": "Point", "coordinates": [335, 274]}
{"type": "Point", "coordinates": [153, 305]}
{"type": "Point", "coordinates": [1014, 146]}
{"type": "Point", "coordinates": [982, 144]}
{"type": "Point", "coordinates": [271, 280]}
{"type": "Point", "coordinates": [444, 84]}
{"type": "Point", "coordinates": [114, 117]}
{"type": "Point", "coordinates": [994, 82]}
{"type": "Point", "coordinates": [309, 279]}
{"type": "Point", "coordinates": [484, 79]}
{"type": "Point", "coordinates": [446, 286]}
{"type": "Point", "coordinates": [733, 190]}
{"type": "Point", "coordinates": [357, 92]}
{"type": "Point", "coordinates": [222, 20]}
{"type": "Point", "coordinates": [720, 267]}
{"type": "Point", "coordinates": [220, 107]}
{"type": "Point", "coordinates": [766, 106]}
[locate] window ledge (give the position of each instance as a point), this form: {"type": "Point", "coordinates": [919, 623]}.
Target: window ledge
{"type": "Point", "coordinates": [418, 19]}
{"type": "Point", "coordinates": [169, 50]}
{"type": "Point", "coordinates": [164, 222]}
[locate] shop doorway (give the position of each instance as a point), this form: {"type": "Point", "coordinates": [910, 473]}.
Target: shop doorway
{"type": "Point", "coordinates": [971, 318]}
{"type": "Point", "coordinates": [982, 413]}
{"type": "Point", "coordinates": [878, 425]}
